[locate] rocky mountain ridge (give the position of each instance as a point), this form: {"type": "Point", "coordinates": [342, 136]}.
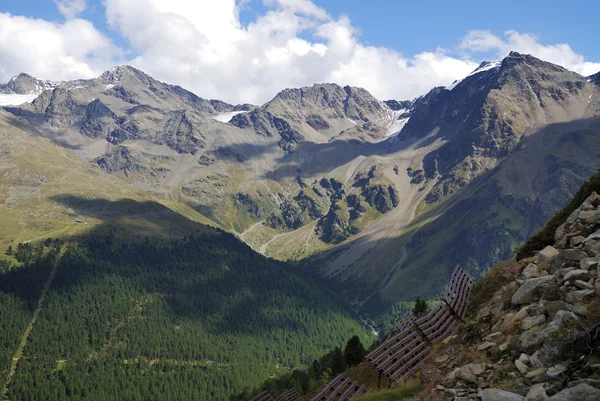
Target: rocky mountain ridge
{"type": "Point", "coordinates": [466, 171]}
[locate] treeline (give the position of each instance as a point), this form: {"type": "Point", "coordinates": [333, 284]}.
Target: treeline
{"type": "Point", "coordinates": [319, 373]}
{"type": "Point", "coordinates": [195, 319]}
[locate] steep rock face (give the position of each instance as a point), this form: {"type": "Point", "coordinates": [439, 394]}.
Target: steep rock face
{"type": "Point", "coordinates": [337, 208]}
{"type": "Point", "coordinates": [484, 116]}
{"type": "Point", "coordinates": [330, 110]}
{"type": "Point", "coordinates": [267, 125]}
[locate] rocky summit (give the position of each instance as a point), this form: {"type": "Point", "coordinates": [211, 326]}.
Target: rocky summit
{"type": "Point", "coordinates": [535, 335]}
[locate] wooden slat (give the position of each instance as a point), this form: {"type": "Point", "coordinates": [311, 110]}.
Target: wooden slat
{"type": "Point", "coordinates": [264, 396]}
{"type": "Point", "coordinates": [290, 395]}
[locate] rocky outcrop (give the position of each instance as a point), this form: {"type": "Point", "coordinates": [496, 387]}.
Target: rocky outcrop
{"type": "Point", "coordinates": [538, 335]}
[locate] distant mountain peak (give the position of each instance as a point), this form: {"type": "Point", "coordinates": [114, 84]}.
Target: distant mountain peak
{"type": "Point", "coordinates": [594, 78]}
{"type": "Point", "coordinates": [25, 84]}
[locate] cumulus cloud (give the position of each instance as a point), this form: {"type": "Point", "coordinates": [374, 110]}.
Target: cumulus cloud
{"type": "Point", "coordinates": [561, 54]}
{"type": "Point", "coordinates": [71, 50]}
{"type": "Point", "coordinates": [203, 46]}
{"type": "Point", "coordinates": [70, 8]}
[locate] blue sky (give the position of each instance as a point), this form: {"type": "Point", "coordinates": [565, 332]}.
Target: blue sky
{"type": "Point", "coordinates": [396, 49]}
{"type": "Point", "coordinates": [410, 26]}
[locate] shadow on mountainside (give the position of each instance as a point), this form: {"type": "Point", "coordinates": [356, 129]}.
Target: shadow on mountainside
{"type": "Point", "coordinates": [477, 227]}
{"type": "Point", "coordinates": [201, 273]}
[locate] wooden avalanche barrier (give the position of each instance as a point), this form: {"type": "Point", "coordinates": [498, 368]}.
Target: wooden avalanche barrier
{"type": "Point", "coordinates": [401, 355]}
{"type": "Point", "coordinates": [340, 389]}
{"type": "Point", "coordinates": [264, 396]}
{"type": "Point", "coordinates": [290, 395]}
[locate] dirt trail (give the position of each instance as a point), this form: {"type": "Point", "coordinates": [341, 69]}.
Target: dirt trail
{"type": "Point", "coordinates": [23, 343]}
{"type": "Point", "coordinates": [49, 234]}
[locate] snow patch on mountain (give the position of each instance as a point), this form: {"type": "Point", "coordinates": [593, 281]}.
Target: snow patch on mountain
{"type": "Point", "coordinates": [485, 66]}
{"type": "Point", "coordinates": [13, 99]}
{"type": "Point", "coordinates": [226, 117]}
{"type": "Point", "coordinates": [395, 120]}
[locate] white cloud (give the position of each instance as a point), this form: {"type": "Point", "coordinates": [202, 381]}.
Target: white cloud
{"type": "Point", "coordinates": [561, 54]}
{"type": "Point", "coordinates": [202, 46]}
{"type": "Point", "coordinates": [70, 8]}
{"type": "Point", "coordinates": [71, 50]}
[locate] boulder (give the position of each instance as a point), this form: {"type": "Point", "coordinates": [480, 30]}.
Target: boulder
{"type": "Point", "coordinates": [533, 321]}
{"type": "Point", "coordinates": [574, 297]}
{"type": "Point", "coordinates": [593, 236]}
{"type": "Point", "coordinates": [486, 345]}
{"type": "Point", "coordinates": [492, 394]}
{"type": "Point", "coordinates": [590, 382]}
{"type": "Point", "coordinates": [546, 256]}
{"type": "Point", "coordinates": [537, 392]}
{"type": "Point", "coordinates": [569, 255]}
{"type": "Point", "coordinates": [530, 291]}
{"type": "Point", "coordinates": [531, 271]}
{"type": "Point", "coordinates": [521, 367]}
{"type": "Point", "coordinates": [581, 392]}
{"type": "Point", "coordinates": [588, 263]}
{"type": "Point", "coordinates": [583, 285]}
{"type": "Point", "coordinates": [576, 240]}
{"type": "Point", "coordinates": [592, 247]}
{"type": "Point", "coordinates": [552, 307]}
{"type": "Point", "coordinates": [576, 274]}
{"type": "Point", "coordinates": [529, 339]}
{"type": "Point", "coordinates": [555, 371]}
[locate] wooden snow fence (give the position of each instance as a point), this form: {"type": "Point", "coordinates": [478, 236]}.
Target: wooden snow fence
{"type": "Point", "coordinates": [290, 395]}
{"type": "Point", "coordinates": [401, 355]}
{"type": "Point", "coordinates": [340, 389]}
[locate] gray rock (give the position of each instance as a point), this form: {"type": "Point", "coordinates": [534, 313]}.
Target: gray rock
{"type": "Point", "coordinates": [555, 371]}
{"type": "Point", "coordinates": [537, 392]}
{"type": "Point", "coordinates": [572, 255]}
{"type": "Point", "coordinates": [529, 339]}
{"type": "Point", "coordinates": [576, 275]}
{"type": "Point", "coordinates": [587, 263]}
{"type": "Point", "coordinates": [581, 392]}
{"type": "Point", "coordinates": [530, 291]}
{"type": "Point", "coordinates": [494, 336]}
{"type": "Point", "coordinates": [486, 345]}
{"type": "Point", "coordinates": [576, 240]}
{"type": "Point", "coordinates": [580, 310]}
{"type": "Point", "coordinates": [546, 256]}
{"type": "Point", "coordinates": [536, 372]}
{"type": "Point", "coordinates": [531, 271]}
{"type": "Point", "coordinates": [552, 307]}
{"type": "Point", "coordinates": [533, 321]}
{"type": "Point", "coordinates": [594, 236]}
{"type": "Point", "coordinates": [592, 247]}
{"type": "Point", "coordinates": [574, 297]}
{"type": "Point", "coordinates": [492, 394]}
{"type": "Point", "coordinates": [524, 358]}
{"type": "Point", "coordinates": [521, 367]}
{"type": "Point", "coordinates": [590, 382]}
{"type": "Point", "coordinates": [583, 285]}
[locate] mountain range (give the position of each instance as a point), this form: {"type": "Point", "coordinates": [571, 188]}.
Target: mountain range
{"type": "Point", "coordinates": [379, 199]}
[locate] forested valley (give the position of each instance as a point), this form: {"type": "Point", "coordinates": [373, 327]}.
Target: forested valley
{"type": "Point", "coordinates": [195, 319]}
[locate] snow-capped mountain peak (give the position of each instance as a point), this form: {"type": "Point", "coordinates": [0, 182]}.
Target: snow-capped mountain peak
{"type": "Point", "coordinates": [484, 66]}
